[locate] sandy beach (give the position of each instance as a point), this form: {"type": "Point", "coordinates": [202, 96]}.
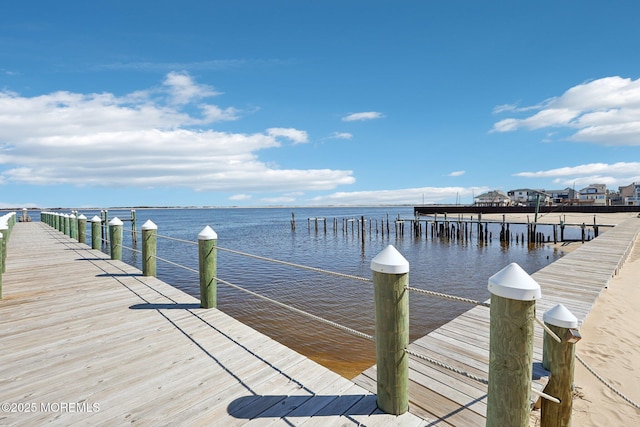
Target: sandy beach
{"type": "Point", "coordinates": [610, 345]}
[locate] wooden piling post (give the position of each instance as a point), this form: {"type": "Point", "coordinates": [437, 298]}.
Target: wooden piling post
{"type": "Point", "coordinates": [105, 221]}
{"type": "Point", "coordinates": [73, 227]}
{"type": "Point", "coordinates": [134, 232]}
{"type": "Point", "coordinates": [82, 228]}
{"type": "Point", "coordinates": [4, 230]}
{"type": "Point", "coordinates": [390, 278]}
{"type": "Point", "coordinates": [149, 244]}
{"type": "Point", "coordinates": [207, 254]}
{"type": "Point", "coordinates": [115, 237]}
{"type": "Point", "coordinates": [559, 358]}
{"type": "Point", "coordinates": [513, 297]}
{"type": "Point", "coordinates": [96, 232]}
{"type": "Point", "coordinates": [1, 262]}
{"type": "Point", "coordinates": [67, 225]}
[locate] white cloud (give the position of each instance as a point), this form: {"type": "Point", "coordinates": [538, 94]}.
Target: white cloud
{"type": "Point", "coordinates": [427, 195]}
{"type": "Point", "coordinates": [295, 135]}
{"type": "Point", "coordinates": [341, 135]}
{"type": "Point", "coordinates": [368, 115]}
{"type": "Point", "coordinates": [616, 174]}
{"type": "Point", "coordinates": [184, 90]}
{"type": "Point", "coordinates": [604, 111]}
{"type": "Point", "coordinates": [457, 173]}
{"type": "Point", "coordinates": [143, 139]}
{"type": "Point", "coordinates": [240, 197]}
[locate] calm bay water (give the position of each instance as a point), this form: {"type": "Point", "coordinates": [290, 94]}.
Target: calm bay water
{"type": "Point", "coordinates": [451, 267]}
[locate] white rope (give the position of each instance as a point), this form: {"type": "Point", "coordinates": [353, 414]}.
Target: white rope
{"type": "Point", "coordinates": [612, 388]}
{"type": "Point", "coordinates": [304, 313]}
{"type": "Point", "coordinates": [177, 265]}
{"type": "Point", "coordinates": [290, 264]}
{"type": "Point", "coordinates": [127, 247]}
{"type": "Point", "coordinates": [304, 267]}
{"type": "Point", "coordinates": [451, 297]}
{"type": "Point", "coordinates": [545, 395]}
{"type": "Point", "coordinates": [549, 331]}
{"type": "Point", "coordinates": [176, 239]}
{"type": "Point", "coordinates": [445, 366]}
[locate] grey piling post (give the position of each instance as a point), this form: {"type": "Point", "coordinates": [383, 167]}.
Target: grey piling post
{"type": "Point", "coordinates": [149, 243]}
{"type": "Point", "coordinates": [559, 358]}
{"type": "Point", "coordinates": [96, 232]}
{"type": "Point", "coordinates": [115, 237]}
{"type": "Point", "coordinates": [4, 230]}
{"type": "Point", "coordinates": [390, 278]}
{"type": "Point", "coordinates": [513, 308]}
{"type": "Point", "coordinates": [82, 228]}
{"type": "Point", "coordinates": [207, 253]}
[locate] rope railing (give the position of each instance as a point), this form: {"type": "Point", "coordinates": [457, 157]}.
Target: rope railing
{"type": "Point", "coordinates": [447, 296]}
{"type": "Point", "coordinates": [175, 239]}
{"type": "Point", "coordinates": [264, 298]}
{"type": "Point", "coordinates": [606, 383]}
{"type": "Point", "coordinates": [302, 312]}
{"type": "Point", "coordinates": [277, 261]}
{"type": "Point", "coordinates": [354, 331]}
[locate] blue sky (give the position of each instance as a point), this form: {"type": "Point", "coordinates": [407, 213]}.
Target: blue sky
{"type": "Point", "coordinates": [252, 103]}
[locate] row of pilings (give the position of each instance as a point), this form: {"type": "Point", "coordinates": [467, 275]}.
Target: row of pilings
{"type": "Point", "coordinates": [446, 229]}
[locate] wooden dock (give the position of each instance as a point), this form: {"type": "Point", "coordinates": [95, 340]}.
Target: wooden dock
{"type": "Point", "coordinates": [90, 341]}
{"type": "Point", "coordinates": [575, 280]}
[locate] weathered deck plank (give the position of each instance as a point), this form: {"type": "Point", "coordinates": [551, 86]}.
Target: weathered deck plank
{"type": "Point", "coordinates": [77, 328]}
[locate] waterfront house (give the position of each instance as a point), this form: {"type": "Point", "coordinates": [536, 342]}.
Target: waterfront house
{"type": "Point", "coordinates": [568, 196]}
{"type": "Point", "coordinates": [493, 198]}
{"type": "Point", "coordinates": [630, 194]}
{"type": "Point", "coordinates": [594, 194]}
{"type": "Point", "coordinates": [529, 197]}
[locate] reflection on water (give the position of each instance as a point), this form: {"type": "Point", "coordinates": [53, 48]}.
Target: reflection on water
{"type": "Point", "coordinates": [444, 266]}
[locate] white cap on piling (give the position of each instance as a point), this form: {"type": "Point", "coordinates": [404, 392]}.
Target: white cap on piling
{"type": "Point", "coordinates": [390, 261]}
{"type": "Point", "coordinates": [149, 225]}
{"type": "Point", "coordinates": [115, 221]}
{"type": "Point", "coordinates": [513, 282]}
{"type": "Point", "coordinates": [560, 316]}
{"type": "Point", "coordinates": [81, 216]}
{"type": "Point", "coordinates": [207, 233]}
{"type": "Point", "coordinates": [96, 218]}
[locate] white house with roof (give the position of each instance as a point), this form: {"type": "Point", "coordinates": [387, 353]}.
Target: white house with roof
{"type": "Point", "coordinates": [493, 198]}
{"type": "Point", "coordinates": [594, 194]}
{"type": "Point", "coordinates": [529, 197]}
